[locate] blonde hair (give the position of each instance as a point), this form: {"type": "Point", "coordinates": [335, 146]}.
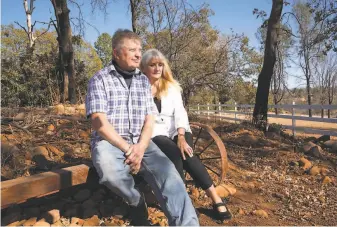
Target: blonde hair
{"type": "Point", "coordinates": [166, 78]}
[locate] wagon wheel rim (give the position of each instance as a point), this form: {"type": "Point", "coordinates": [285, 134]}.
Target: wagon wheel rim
{"type": "Point", "coordinates": [221, 147]}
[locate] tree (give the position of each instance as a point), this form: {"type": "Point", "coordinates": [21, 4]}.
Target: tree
{"type": "Point", "coordinates": [33, 80]}
{"type": "Point", "coordinates": [278, 84]}
{"type": "Point", "coordinates": [29, 8]}
{"type": "Point", "coordinates": [27, 77]}
{"type": "Point", "coordinates": [103, 48]}
{"type": "Point", "coordinates": [135, 6]}
{"type": "Point", "coordinates": [326, 79]}
{"type": "Point", "coordinates": [325, 14]}
{"type": "Point", "coordinates": [262, 94]}
{"type": "Point", "coordinates": [197, 54]}
{"type": "Point", "coordinates": [87, 63]}
{"type": "Point", "coordinates": [66, 53]}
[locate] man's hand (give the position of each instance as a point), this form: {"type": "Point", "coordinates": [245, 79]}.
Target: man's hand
{"type": "Point", "coordinates": [134, 157]}
{"type": "Point", "coordinates": [184, 147]}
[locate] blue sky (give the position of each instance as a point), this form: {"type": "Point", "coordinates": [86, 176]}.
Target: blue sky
{"type": "Point", "coordinates": [235, 14]}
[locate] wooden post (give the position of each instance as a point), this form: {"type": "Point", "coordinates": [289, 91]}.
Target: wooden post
{"type": "Point", "coordinates": [293, 120]}
{"type": "Point", "coordinates": [220, 110]}
{"type": "Point", "coordinates": [207, 110]}
{"type": "Point", "coordinates": [235, 109]}
{"type": "Point", "coordinates": [198, 109]}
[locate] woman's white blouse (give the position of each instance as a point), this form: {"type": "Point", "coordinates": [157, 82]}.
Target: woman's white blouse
{"type": "Point", "coordinates": [173, 115]}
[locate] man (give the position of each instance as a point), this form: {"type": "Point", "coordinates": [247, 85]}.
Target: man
{"type": "Point", "coordinates": [120, 105]}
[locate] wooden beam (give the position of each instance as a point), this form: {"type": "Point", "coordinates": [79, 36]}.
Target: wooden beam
{"type": "Point", "coordinates": [23, 188]}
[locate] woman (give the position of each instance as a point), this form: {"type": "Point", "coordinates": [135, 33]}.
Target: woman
{"type": "Point", "coordinates": [172, 132]}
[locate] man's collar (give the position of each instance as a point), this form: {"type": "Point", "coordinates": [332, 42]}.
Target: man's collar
{"type": "Point", "coordinates": [111, 68]}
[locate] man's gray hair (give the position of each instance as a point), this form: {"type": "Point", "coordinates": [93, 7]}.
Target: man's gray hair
{"type": "Point", "coordinates": [120, 35]}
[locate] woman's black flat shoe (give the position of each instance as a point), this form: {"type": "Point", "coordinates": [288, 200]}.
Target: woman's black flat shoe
{"type": "Point", "coordinates": [222, 215]}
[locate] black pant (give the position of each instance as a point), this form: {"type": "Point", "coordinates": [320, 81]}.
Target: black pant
{"type": "Point", "coordinates": [192, 165]}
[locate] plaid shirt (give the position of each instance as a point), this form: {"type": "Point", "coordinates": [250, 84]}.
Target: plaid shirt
{"type": "Point", "coordinates": [125, 108]}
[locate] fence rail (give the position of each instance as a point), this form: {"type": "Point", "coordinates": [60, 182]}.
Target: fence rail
{"type": "Point", "coordinates": [213, 109]}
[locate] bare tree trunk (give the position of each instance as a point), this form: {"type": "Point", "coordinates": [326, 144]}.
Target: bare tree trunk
{"type": "Point", "coordinates": [262, 94]}
{"type": "Point", "coordinates": [29, 12]}
{"type": "Point", "coordinates": [186, 96]}
{"type": "Point", "coordinates": [309, 95]}
{"type": "Point", "coordinates": [66, 49]}
{"type": "Point", "coordinates": [134, 4]}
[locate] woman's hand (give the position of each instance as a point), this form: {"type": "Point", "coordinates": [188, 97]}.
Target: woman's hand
{"type": "Point", "coordinates": [184, 147]}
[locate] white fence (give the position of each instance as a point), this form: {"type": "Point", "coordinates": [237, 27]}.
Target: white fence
{"type": "Point", "coordinates": [246, 109]}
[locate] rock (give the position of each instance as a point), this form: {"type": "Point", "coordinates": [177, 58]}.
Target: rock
{"type": "Point", "coordinates": [248, 186]}
{"type": "Point", "coordinates": [225, 190]}
{"type": "Point", "coordinates": [40, 156]}
{"type": "Point", "coordinates": [221, 191]}
{"type": "Point", "coordinates": [84, 134]}
{"type": "Point", "coordinates": [30, 222]}
{"type": "Point", "coordinates": [81, 107]}
{"type": "Point", "coordinates": [59, 109]}
{"type": "Point", "coordinates": [247, 140]}
{"type": "Point", "coordinates": [88, 203]}
{"type": "Point", "coordinates": [121, 211]}
{"type": "Point", "coordinates": [331, 144]}
{"type": "Point", "coordinates": [89, 212]}
{"type": "Point", "coordinates": [163, 222]}
{"type": "Point", "coordinates": [85, 146]}
{"type": "Point", "coordinates": [324, 171]}
{"type": "Point", "coordinates": [51, 127]}
{"type": "Point", "coordinates": [159, 214]}
{"type": "Point", "coordinates": [82, 195]}
{"type": "Point", "coordinates": [69, 110]}
{"type": "Point", "coordinates": [31, 212]}
{"type": "Point", "coordinates": [49, 133]}
{"type": "Point", "coordinates": [326, 180]}
{"type": "Point", "coordinates": [195, 193]}
{"type": "Point", "coordinates": [305, 163]}
{"type": "Point", "coordinates": [307, 146]}
{"type": "Point", "coordinates": [98, 195]}
{"type": "Point", "coordinates": [261, 213]}
{"type": "Point", "coordinates": [57, 224]}
{"type": "Point", "coordinates": [273, 135]}
{"type": "Point", "coordinates": [315, 151]}
{"type": "Point", "coordinates": [52, 216]}
{"type": "Point", "coordinates": [8, 150]}
{"type": "Point", "coordinates": [77, 221]}
{"type": "Point", "coordinates": [54, 150]}
{"type": "Point", "coordinates": [241, 211]}
{"type": "Point", "coordinates": [321, 199]}
{"type": "Point", "coordinates": [293, 163]}
{"type": "Point", "coordinates": [111, 223]}
{"type": "Point", "coordinates": [106, 210]}
{"type": "Point", "coordinates": [10, 217]}
{"type": "Point", "coordinates": [17, 223]}
{"type": "Point", "coordinates": [278, 195]}
{"type": "Point", "coordinates": [20, 115]}
{"type": "Point", "coordinates": [315, 171]}
{"type": "Point", "coordinates": [93, 221]}
{"type": "Point", "coordinates": [72, 210]}
{"type": "Point", "coordinates": [41, 223]}
{"type": "Point", "coordinates": [323, 138]}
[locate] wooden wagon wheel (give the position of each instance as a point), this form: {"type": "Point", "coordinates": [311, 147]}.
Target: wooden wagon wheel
{"type": "Point", "coordinates": [209, 148]}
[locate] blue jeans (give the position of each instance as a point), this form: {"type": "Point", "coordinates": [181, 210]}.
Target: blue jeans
{"type": "Point", "coordinates": [157, 170]}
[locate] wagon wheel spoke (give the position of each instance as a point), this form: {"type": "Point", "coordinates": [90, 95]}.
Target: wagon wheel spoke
{"type": "Point", "coordinates": [215, 157]}
{"type": "Point", "coordinates": [212, 170]}
{"type": "Point", "coordinates": [200, 153]}
{"type": "Point", "coordinates": [218, 157]}
{"type": "Point", "coordinates": [197, 138]}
